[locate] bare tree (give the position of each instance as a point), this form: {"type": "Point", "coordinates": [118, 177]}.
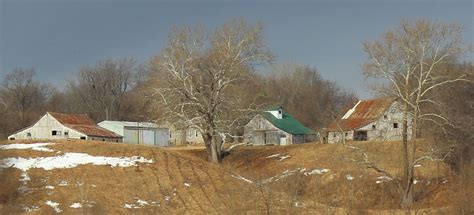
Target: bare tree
{"type": "Point", "coordinates": [101, 89]}
{"type": "Point", "coordinates": [201, 77]}
{"type": "Point", "coordinates": [407, 60]}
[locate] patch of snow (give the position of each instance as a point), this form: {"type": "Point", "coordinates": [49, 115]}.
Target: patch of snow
{"type": "Point", "coordinates": [93, 185]}
{"type": "Point", "coordinates": [167, 198]}
{"type": "Point", "coordinates": [70, 160]}
{"type": "Point", "coordinates": [300, 205]}
{"type": "Point", "coordinates": [417, 165]}
{"type": "Point", "coordinates": [445, 181]}
{"type": "Point", "coordinates": [284, 157]}
{"type": "Point", "coordinates": [349, 177]}
{"type": "Point", "coordinates": [32, 146]}
{"type": "Point", "coordinates": [28, 209]}
{"type": "Point", "coordinates": [302, 170]}
{"type": "Point", "coordinates": [54, 205]}
{"type": "Point", "coordinates": [272, 156]}
{"type": "Point", "coordinates": [415, 181]}
{"type": "Point", "coordinates": [138, 204]}
{"type": "Point", "coordinates": [317, 171]}
{"type": "Point", "coordinates": [242, 178]}
{"type": "Point", "coordinates": [49, 187]}
{"type": "Point", "coordinates": [24, 177]}
{"type": "Point", "coordinates": [187, 185]}
{"type": "Point", "coordinates": [76, 205]}
{"type": "Point", "coordinates": [62, 183]}
{"type": "Point", "coordinates": [383, 179]}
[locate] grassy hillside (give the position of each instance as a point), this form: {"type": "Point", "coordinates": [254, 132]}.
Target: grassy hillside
{"type": "Point", "coordinates": [332, 174]}
{"type": "Point", "coordinates": [306, 178]}
{"type": "Point", "coordinates": [172, 183]}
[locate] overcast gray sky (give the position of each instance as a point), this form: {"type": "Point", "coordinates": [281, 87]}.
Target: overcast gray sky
{"type": "Point", "coordinates": [57, 36]}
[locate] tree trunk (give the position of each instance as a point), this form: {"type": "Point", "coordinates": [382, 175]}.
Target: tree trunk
{"type": "Point", "coordinates": [213, 146]}
{"type": "Point", "coordinates": [407, 180]}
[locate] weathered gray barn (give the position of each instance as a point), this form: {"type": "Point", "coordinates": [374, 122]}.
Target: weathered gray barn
{"type": "Point", "coordinates": [277, 127]}
{"type": "Point", "coordinates": [185, 136]}
{"type": "Point", "coordinates": [376, 119]}
{"type": "Point", "coordinates": [65, 126]}
{"type": "Point", "coordinates": [139, 132]}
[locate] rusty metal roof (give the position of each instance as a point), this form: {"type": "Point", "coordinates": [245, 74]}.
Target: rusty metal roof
{"type": "Point", "coordinates": [82, 123]}
{"type": "Point", "coordinates": [73, 119]}
{"type": "Point", "coordinates": [361, 114]}
{"type": "Point", "coordinates": [94, 131]}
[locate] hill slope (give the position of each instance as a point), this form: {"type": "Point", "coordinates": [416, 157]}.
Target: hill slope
{"type": "Point", "coordinates": [171, 183]}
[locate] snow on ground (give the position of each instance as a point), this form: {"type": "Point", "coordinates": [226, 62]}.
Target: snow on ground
{"type": "Point", "coordinates": [279, 157]}
{"type": "Point", "coordinates": [141, 203]}
{"type": "Point", "coordinates": [54, 205]}
{"type": "Point", "coordinates": [187, 184]}
{"type": "Point", "coordinates": [242, 178]}
{"type": "Point", "coordinates": [383, 179]}
{"type": "Point", "coordinates": [62, 183]}
{"type": "Point", "coordinates": [349, 177]}
{"type": "Point", "coordinates": [28, 209]}
{"type": "Point", "coordinates": [76, 205]}
{"type": "Point", "coordinates": [32, 146]}
{"type": "Point", "coordinates": [317, 171]}
{"type": "Point", "coordinates": [49, 187]}
{"type": "Point", "coordinates": [70, 160]}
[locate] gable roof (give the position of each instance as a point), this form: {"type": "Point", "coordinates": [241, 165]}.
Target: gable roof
{"type": "Point", "coordinates": [83, 124]}
{"type": "Point", "coordinates": [361, 114]}
{"type": "Point", "coordinates": [287, 123]}
{"type": "Point", "coordinates": [73, 119]}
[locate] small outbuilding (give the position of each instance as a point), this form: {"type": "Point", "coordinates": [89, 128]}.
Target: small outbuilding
{"type": "Point", "coordinates": [367, 120]}
{"type": "Point", "coordinates": [65, 126]}
{"type": "Point", "coordinates": [139, 132]}
{"type": "Point", "coordinates": [276, 127]}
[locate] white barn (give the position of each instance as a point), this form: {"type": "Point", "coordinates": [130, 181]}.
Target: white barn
{"type": "Point", "coordinates": [65, 126]}
{"type": "Point", "coordinates": [367, 120]}
{"type": "Point", "coordinates": [139, 132]}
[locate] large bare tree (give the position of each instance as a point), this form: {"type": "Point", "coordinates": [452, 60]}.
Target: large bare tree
{"type": "Point", "coordinates": [201, 76]}
{"type": "Point", "coordinates": [407, 61]}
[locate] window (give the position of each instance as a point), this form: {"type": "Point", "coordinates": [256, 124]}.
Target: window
{"type": "Point", "coordinates": [373, 127]}
{"type": "Point", "coordinates": [54, 133]}
{"type": "Point", "coordinates": [66, 133]}
{"type": "Point", "coordinates": [170, 135]}
{"type": "Point", "coordinates": [395, 125]}
{"type": "Point", "coordinates": [12, 138]}
{"type": "Point", "coordinates": [196, 134]}
{"type": "Point", "coordinates": [385, 116]}
{"type": "Point", "coordinates": [83, 138]}
{"type": "Point", "coordinates": [345, 134]}
{"type": "Point", "coordinates": [28, 134]}
{"type": "Point", "coordinates": [334, 135]}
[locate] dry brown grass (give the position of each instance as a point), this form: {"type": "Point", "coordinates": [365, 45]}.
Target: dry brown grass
{"type": "Point", "coordinates": [214, 191]}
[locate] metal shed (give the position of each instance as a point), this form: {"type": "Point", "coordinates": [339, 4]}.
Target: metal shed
{"type": "Point", "coordinates": [139, 132]}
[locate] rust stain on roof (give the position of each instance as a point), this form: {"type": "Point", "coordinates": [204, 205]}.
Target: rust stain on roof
{"type": "Point", "coordinates": [73, 119]}
{"type": "Point", "coordinates": [82, 123]}
{"type": "Point", "coordinates": [91, 130]}
{"type": "Point", "coordinates": [364, 113]}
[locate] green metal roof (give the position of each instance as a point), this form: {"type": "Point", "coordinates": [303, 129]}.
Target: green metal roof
{"type": "Point", "coordinates": [287, 123]}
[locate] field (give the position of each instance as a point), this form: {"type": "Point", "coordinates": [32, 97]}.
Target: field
{"type": "Point", "coordinates": [307, 178]}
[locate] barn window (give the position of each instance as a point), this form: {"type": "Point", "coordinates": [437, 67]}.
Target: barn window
{"type": "Point", "coordinates": [54, 133]}
{"type": "Point", "coordinates": [28, 134]}
{"type": "Point", "coordinates": [12, 138]}
{"type": "Point", "coordinates": [373, 127]}
{"type": "Point", "coordinates": [66, 133]}
{"type": "Point", "coordinates": [395, 125]}
{"type": "Point", "coordinates": [83, 138]}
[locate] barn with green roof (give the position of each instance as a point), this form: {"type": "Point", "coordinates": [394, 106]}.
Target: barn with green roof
{"type": "Point", "coordinates": [276, 127]}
